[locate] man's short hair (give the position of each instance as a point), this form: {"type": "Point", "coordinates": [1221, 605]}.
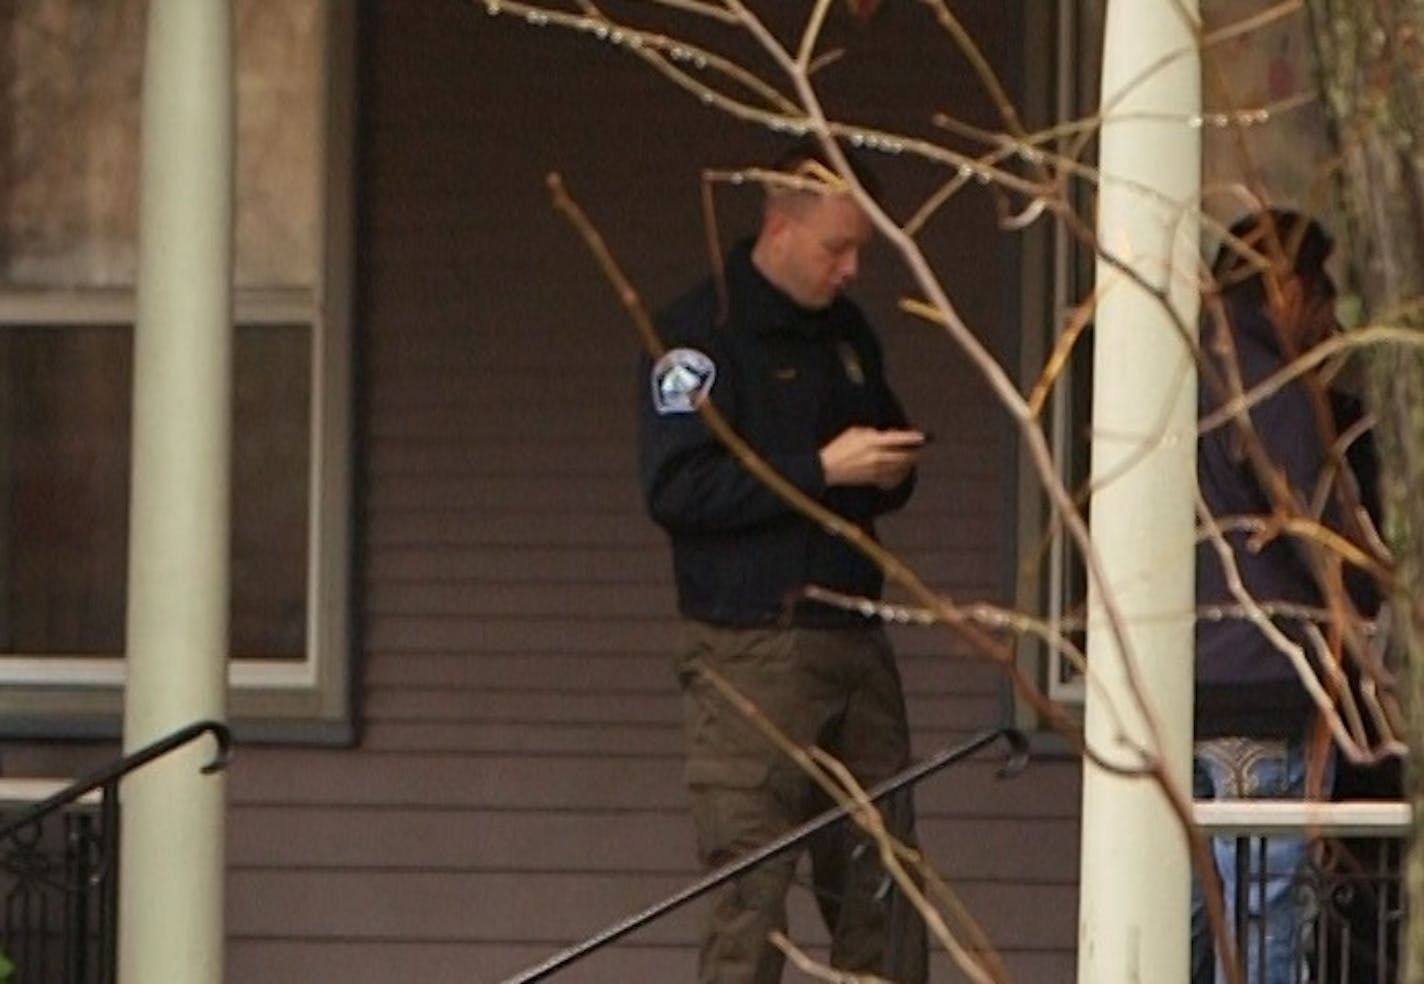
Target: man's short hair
{"type": "Point", "coordinates": [808, 155]}
{"type": "Point", "coordinates": [1290, 243]}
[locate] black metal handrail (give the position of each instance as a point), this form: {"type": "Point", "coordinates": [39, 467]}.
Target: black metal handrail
{"type": "Point", "coordinates": [107, 774]}
{"type": "Point", "coordinates": [82, 867]}
{"type": "Point", "coordinates": [1018, 758]}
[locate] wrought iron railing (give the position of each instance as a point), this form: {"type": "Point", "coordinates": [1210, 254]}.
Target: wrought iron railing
{"type": "Point", "coordinates": [1350, 899]}
{"type": "Point", "coordinates": [1352, 891]}
{"type": "Point", "coordinates": [792, 839]}
{"type": "Point", "coordinates": [59, 866]}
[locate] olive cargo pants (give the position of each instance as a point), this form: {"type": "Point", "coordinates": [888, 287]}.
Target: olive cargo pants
{"type": "Point", "coordinates": [838, 689]}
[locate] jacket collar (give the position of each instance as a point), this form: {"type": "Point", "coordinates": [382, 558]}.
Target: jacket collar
{"type": "Point", "coordinates": [759, 304]}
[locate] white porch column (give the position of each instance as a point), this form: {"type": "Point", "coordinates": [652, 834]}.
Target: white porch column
{"type": "Point", "coordinates": [1133, 913]}
{"type": "Point", "coordinates": [171, 887]}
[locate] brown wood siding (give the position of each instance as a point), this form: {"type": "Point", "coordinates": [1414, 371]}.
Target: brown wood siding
{"type": "Point", "coordinates": [517, 782]}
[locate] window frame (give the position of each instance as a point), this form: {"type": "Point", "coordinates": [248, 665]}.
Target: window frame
{"type": "Point", "coordinates": [286, 700]}
{"type": "Point", "coordinates": [1055, 272]}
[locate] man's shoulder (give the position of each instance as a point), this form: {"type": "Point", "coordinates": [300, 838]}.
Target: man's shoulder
{"type": "Point", "coordinates": [1252, 361]}
{"type": "Point", "coordinates": [691, 317]}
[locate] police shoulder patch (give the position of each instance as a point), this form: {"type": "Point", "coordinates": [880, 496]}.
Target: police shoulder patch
{"type": "Point", "coordinates": [681, 378]}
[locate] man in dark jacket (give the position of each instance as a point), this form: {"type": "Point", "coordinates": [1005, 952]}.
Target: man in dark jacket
{"type": "Point", "coordinates": [1254, 716]}
{"type": "Point", "coordinates": [795, 369]}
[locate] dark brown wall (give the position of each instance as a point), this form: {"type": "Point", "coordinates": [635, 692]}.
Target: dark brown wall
{"type": "Point", "coordinates": [517, 783]}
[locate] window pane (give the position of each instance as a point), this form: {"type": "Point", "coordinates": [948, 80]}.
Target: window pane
{"type": "Point", "coordinates": [64, 472]}
{"type": "Point", "coordinates": [270, 481]}
{"type": "Point", "coordinates": [64, 452]}
{"type": "Point", "coordinates": [70, 76]}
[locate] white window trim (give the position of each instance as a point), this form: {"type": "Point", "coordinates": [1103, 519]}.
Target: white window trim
{"type": "Point", "coordinates": [1047, 300]}
{"type": "Point", "coordinates": [307, 699]}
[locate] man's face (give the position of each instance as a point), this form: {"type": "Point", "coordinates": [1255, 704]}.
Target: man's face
{"type": "Point", "coordinates": [812, 246]}
{"type": "Point", "coordinates": [1306, 311]}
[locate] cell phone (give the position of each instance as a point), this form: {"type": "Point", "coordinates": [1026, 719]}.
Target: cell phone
{"type": "Point", "coordinates": [925, 438]}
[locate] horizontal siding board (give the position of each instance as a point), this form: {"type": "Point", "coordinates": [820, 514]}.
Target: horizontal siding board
{"type": "Point", "coordinates": [428, 446]}
{"type": "Point", "coordinates": [933, 674]}
{"type": "Point", "coordinates": [964, 467]}
{"type": "Point", "coordinates": [403, 839]}
{"type": "Point", "coordinates": [511, 781]}
{"type": "Point", "coordinates": [962, 573]}
{"type": "Point", "coordinates": [511, 697]}
{"type": "Point", "coordinates": [579, 434]}
{"type": "Point", "coordinates": [934, 669]}
{"type": "Point", "coordinates": [588, 697]}
{"type": "Point", "coordinates": [515, 565]}
{"type": "Point", "coordinates": [503, 635]}
{"type": "Point", "coordinates": [936, 660]}
{"type": "Point", "coordinates": [451, 596]}
{"type": "Point", "coordinates": [605, 385]}
{"type": "Point", "coordinates": [951, 650]}
{"type": "Point", "coordinates": [283, 960]}
{"type": "Point", "coordinates": [605, 525]}
{"type": "Point", "coordinates": [449, 456]}
{"type": "Point", "coordinates": [544, 738]}
{"type": "Point", "coordinates": [951, 572]}
{"type": "Point", "coordinates": [604, 705]}
{"type": "Point", "coordinates": [441, 962]}
{"type": "Point", "coordinates": [1023, 914]}
{"type": "Point", "coordinates": [536, 738]}
{"type": "Point", "coordinates": [444, 704]}
{"type": "Point", "coordinates": [473, 841]}
{"type": "Point", "coordinates": [563, 907]}
{"type": "Point", "coordinates": [538, 492]}
{"type": "Point", "coordinates": [621, 671]}
{"type": "Point", "coordinates": [648, 634]}
{"type": "Point", "coordinates": [1034, 850]}
{"type": "Point", "coordinates": [502, 498]}
{"type": "Point", "coordinates": [432, 905]}
{"type": "Point", "coordinates": [512, 528]}
{"type": "Point", "coordinates": [496, 781]}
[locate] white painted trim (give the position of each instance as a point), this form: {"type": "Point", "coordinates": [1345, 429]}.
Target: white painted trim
{"type": "Point", "coordinates": [104, 672]}
{"type": "Point", "coordinates": [62, 308]}
{"type": "Point", "coordinates": [1262, 817]}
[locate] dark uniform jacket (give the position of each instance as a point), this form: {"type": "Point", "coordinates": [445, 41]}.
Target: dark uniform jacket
{"type": "Point", "coordinates": [788, 380]}
{"type": "Point", "coordinates": [1244, 685]}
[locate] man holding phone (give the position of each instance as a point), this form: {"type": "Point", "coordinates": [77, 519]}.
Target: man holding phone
{"type": "Point", "coordinates": [793, 366]}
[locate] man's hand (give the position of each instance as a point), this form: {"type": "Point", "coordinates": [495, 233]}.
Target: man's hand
{"type": "Point", "coordinates": [866, 456]}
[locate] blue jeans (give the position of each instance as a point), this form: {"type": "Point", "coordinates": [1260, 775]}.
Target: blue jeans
{"type": "Point", "coordinates": [1247, 768]}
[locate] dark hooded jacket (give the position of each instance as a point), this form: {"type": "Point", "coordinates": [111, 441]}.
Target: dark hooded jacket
{"type": "Point", "coordinates": [1244, 685]}
{"type": "Point", "coordinates": [788, 380]}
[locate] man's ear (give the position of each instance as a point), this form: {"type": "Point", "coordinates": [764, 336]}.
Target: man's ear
{"type": "Point", "coordinates": [776, 215]}
{"type": "Point", "coordinates": [774, 221]}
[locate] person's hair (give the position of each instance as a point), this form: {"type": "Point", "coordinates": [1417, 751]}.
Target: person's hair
{"type": "Point", "coordinates": [808, 155]}
{"type": "Point", "coordinates": [1291, 244]}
